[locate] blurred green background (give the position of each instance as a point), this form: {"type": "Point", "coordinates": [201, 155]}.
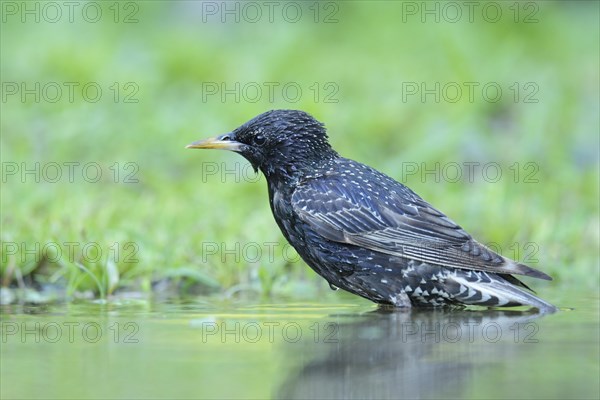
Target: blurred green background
{"type": "Point", "coordinates": [170, 221]}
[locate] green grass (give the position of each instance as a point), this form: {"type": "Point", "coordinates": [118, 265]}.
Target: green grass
{"type": "Point", "coordinates": [170, 219]}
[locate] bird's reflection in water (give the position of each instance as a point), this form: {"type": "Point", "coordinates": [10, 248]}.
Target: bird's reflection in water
{"type": "Point", "coordinates": [406, 355]}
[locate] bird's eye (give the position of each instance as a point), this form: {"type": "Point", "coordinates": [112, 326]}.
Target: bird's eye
{"type": "Point", "coordinates": [260, 140]}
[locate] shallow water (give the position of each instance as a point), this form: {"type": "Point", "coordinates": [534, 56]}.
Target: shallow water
{"type": "Point", "coordinates": [217, 349]}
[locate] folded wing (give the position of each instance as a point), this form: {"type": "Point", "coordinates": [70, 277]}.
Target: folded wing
{"type": "Point", "coordinates": [387, 217]}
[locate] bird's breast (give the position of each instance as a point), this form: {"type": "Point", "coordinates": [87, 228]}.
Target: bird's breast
{"type": "Point", "coordinates": [282, 210]}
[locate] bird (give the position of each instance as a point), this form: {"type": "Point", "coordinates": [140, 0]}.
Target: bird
{"type": "Point", "coordinates": [366, 233]}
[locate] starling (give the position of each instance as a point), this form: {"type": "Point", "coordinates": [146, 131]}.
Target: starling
{"type": "Point", "coordinates": [363, 231]}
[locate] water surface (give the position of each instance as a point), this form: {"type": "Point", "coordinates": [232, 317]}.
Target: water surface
{"type": "Point", "coordinates": [217, 349]}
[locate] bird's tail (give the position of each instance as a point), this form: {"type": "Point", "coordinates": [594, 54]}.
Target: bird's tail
{"type": "Point", "coordinates": [485, 289]}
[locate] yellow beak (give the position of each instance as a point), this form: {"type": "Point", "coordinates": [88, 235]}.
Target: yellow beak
{"type": "Point", "coordinates": [223, 142]}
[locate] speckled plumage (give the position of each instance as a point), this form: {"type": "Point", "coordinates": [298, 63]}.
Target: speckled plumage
{"type": "Point", "coordinates": [363, 231]}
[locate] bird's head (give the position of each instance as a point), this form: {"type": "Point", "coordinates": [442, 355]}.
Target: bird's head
{"type": "Point", "coordinates": [283, 143]}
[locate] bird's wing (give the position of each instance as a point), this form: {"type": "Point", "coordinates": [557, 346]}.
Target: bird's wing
{"type": "Point", "coordinates": [387, 217]}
